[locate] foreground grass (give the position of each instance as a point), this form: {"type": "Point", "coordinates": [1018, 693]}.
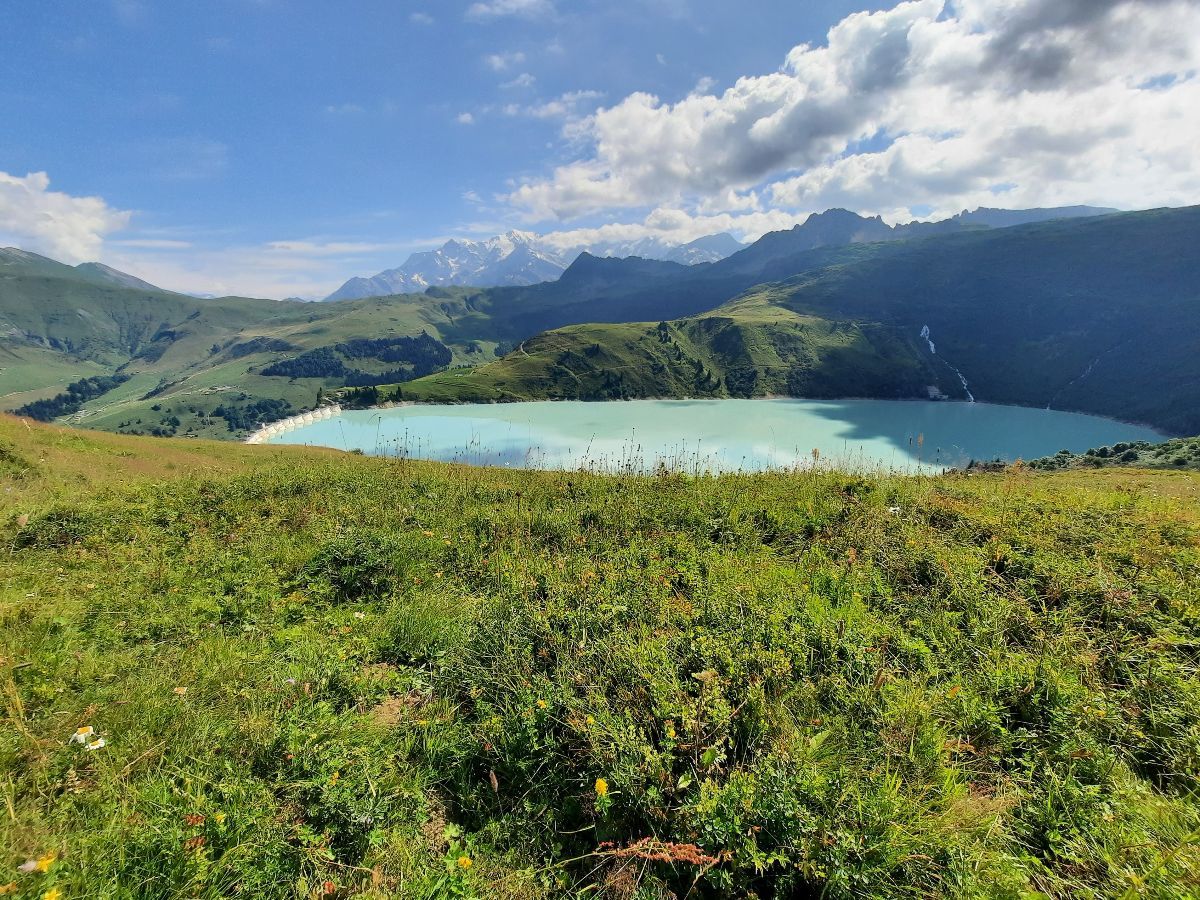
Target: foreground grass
{"type": "Point", "coordinates": [323, 675]}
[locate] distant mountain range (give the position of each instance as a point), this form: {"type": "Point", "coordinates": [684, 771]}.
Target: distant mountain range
{"type": "Point", "coordinates": [708, 249]}
{"type": "Point", "coordinates": [612, 289]}
{"type": "Point", "coordinates": [1096, 314]}
{"type": "Point", "coordinates": [842, 228]}
{"type": "Point", "coordinates": [521, 258]}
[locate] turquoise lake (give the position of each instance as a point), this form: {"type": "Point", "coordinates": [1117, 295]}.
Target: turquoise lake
{"type": "Point", "coordinates": [715, 435]}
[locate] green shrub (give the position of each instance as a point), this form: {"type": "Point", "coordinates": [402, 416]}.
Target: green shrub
{"type": "Point", "coordinates": [357, 566]}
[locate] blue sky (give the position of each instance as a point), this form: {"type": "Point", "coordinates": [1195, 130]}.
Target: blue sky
{"type": "Point", "coordinates": [279, 146]}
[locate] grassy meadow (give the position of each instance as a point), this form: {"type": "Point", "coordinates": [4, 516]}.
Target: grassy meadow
{"type": "Point", "coordinates": [279, 673]}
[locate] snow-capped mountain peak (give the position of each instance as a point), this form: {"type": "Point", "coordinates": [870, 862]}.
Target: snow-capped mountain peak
{"type": "Point", "coordinates": [518, 258]}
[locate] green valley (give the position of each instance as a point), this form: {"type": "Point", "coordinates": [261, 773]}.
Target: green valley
{"type": "Point", "coordinates": [1092, 314]}
{"type": "Point", "coordinates": [562, 450]}
{"type": "Point", "coordinates": [184, 357]}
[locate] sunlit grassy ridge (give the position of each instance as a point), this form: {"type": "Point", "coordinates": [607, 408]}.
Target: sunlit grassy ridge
{"type": "Point", "coordinates": [739, 350]}
{"type": "Point", "coordinates": [320, 674]}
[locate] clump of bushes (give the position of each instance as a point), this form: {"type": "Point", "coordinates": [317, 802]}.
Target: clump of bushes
{"type": "Point", "coordinates": [252, 415]}
{"type": "Point", "coordinates": [360, 566]}
{"type": "Point", "coordinates": [423, 355]}
{"type": "Point", "coordinates": [72, 400]}
{"type": "Point", "coordinates": [1179, 453]}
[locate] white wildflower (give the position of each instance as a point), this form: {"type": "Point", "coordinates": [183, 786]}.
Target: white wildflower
{"type": "Point", "coordinates": [86, 735]}
{"type": "Point", "coordinates": [83, 735]}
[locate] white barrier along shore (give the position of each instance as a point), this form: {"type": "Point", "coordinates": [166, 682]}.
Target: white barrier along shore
{"type": "Point", "coordinates": [267, 432]}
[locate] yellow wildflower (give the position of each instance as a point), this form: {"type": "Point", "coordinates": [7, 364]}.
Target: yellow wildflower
{"type": "Point", "coordinates": [601, 787]}
{"type": "Point", "coordinates": [464, 862]}
{"type": "Point", "coordinates": [46, 861]}
{"type": "Point", "coordinates": [591, 720]}
{"type": "Point", "coordinates": [333, 779]}
{"type": "Point", "coordinates": [219, 817]}
{"type": "Point", "coordinates": [541, 704]}
{"type": "Point", "coordinates": [52, 894]}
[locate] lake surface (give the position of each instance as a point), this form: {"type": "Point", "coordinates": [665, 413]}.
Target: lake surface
{"type": "Point", "coordinates": [715, 435]}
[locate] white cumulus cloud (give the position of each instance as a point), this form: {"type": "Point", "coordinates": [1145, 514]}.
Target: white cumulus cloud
{"type": "Point", "coordinates": [67, 228]}
{"type": "Point", "coordinates": [675, 226]}
{"type": "Point", "coordinates": [929, 103]}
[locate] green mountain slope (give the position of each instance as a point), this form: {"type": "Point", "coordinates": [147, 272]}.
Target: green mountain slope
{"type": "Point", "coordinates": [753, 352]}
{"type": "Point", "coordinates": [1098, 315]}
{"type": "Point", "coordinates": [185, 357]}
{"type": "Point", "coordinates": [30, 372]}
{"type": "Point", "coordinates": [317, 674]}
